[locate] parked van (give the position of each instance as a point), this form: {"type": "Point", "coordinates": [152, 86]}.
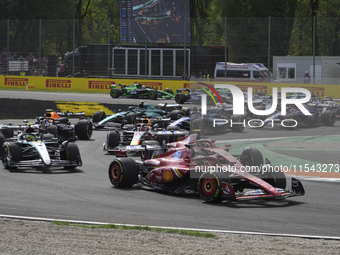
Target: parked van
{"type": "Point", "coordinates": [249, 72]}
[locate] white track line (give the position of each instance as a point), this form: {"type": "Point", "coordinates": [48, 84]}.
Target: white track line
{"type": "Point", "coordinates": [191, 229]}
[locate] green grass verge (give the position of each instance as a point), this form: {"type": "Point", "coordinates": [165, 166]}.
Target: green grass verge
{"type": "Point", "coordinates": [146, 228]}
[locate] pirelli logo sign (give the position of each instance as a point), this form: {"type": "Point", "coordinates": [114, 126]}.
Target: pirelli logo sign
{"type": "Point", "coordinates": [99, 85]}
{"type": "Point", "coordinates": [19, 82]}
{"type": "Point", "coordinates": [58, 84]}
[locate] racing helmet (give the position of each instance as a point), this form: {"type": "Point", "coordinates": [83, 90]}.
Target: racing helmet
{"type": "Point", "coordinates": [29, 129]}
{"type": "Point", "coordinates": [30, 138]}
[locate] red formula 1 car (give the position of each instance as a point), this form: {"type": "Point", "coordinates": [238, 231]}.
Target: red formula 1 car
{"type": "Point", "coordinates": [198, 166]}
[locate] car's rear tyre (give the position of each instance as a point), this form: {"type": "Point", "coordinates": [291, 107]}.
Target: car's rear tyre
{"type": "Point", "coordinates": [198, 126]}
{"type": "Point", "coordinates": [291, 121]}
{"type": "Point", "coordinates": [210, 186]}
{"type": "Point", "coordinates": [2, 140]}
{"type": "Point", "coordinates": [131, 118]}
{"type": "Point", "coordinates": [52, 130]}
{"type": "Point", "coordinates": [153, 94]}
{"type": "Point", "coordinates": [237, 127]}
{"type": "Point", "coordinates": [98, 116]}
{"type": "Point", "coordinates": [7, 132]}
{"type": "Point", "coordinates": [84, 129]}
{"type": "Point", "coordinates": [112, 139]}
{"type": "Point", "coordinates": [251, 157]}
{"type": "Point", "coordinates": [176, 114]}
{"type": "Point", "coordinates": [115, 93]}
{"type": "Point", "coordinates": [181, 98]}
{"type": "Point", "coordinates": [328, 118]}
{"type": "Point", "coordinates": [274, 177]}
{"type": "Point", "coordinates": [10, 152]}
{"type": "Point", "coordinates": [70, 152]}
{"type": "Point", "coordinates": [123, 172]}
{"type": "Point", "coordinates": [170, 91]}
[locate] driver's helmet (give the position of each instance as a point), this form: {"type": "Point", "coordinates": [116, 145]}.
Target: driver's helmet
{"type": "Point", "coordinates": [139, 86]}
{"type": "Point", "coordinates": [145, 128]}
{"type": "Point", "coordinates": [29, 129]}
{"type": "Point", "coordinates": [30, 138]}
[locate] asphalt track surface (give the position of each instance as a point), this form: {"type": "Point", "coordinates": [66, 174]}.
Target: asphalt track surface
{"type": "Point", "coordinates": [86, 194]}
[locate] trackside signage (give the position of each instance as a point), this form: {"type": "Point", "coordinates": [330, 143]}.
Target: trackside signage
{"type": "Point", "coordinates": [21, 82]}
{"type": "Point", "coordinates": [56, 83]}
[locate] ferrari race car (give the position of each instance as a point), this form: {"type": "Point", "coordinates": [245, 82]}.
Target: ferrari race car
{"type": "Point", "coordinates": [182, 169]}
{"type": "Point", "coordinates": [137, 90]}
{"type": "Point", "coordinates": [38, 150]}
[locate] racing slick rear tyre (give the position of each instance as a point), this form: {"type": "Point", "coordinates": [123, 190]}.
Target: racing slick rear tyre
{"type": "Point", "coordinates": [176, 114]}
{"type": "Point", "coordinates": [251, 157]}
{"type": "Point", "coordinates": [147, 154]}
{"type": "Point", "coordinates": [167, 90]}
{"type": "Point", "coordinates": [153, 94]}
{"type": "Point", "coordinates": [131, 118]}
{"type": "Point", "coordinates": [2, 140]}
{"type": "Point", "coordinates": [237, 127]}
{"type": "Point", "coordinates": [274, 177]}
{"type": "Point", "coordinates": [181, 98]}
{"type": "Point", "coordinates": [84, 129]}
{"type": "Point", "coordinates": [7, 133]}
{"type": "Point", "coordinates": [12, 150]}
{"type": "Point", "coordinates": [123, 172]}
{"type": "Point", "coordinates": [198, 127]}
{"type": "Point", "coordinates": [113, 139]}
{"type": "Point", "coordinates": [52, 130]}
{"type": "Point", "coordinates": [115, 93]}
{"type": "Point", "coordinates": [289, 123]}
{"type": "Point", "coordinates": [70, 153]}
{"type": "Point", "coordinates": [98, 116]}
{"type": "Point", "coordinates": [210, 186]}
{"type": "Point", "coordinates": [328, 118]}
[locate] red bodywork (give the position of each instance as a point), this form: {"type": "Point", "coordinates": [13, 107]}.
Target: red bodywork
{"type": "Point", "coordinates": [177, 163]}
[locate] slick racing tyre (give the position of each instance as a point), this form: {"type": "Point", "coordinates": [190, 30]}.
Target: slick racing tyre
{"type": "Point", "coordinates": [115, 93]}
{"type": "Point", "coordinates": [7, 133]}
{"type": "Point", "coordinates": [112, 139]}
{"type": "Point", "coordinates": [237, 119]}
{"type": "Point", "coordinates": [198, 126]}
{"type": "Point", "coordinates": [328, 118]}
{"type": "Point", "coordinates": [52, 130]}
{"type": "Point", "coordinates": [181, 98]}
{"type": "Point", "coordinates": [251, 157]}
{"type": "Point", "coordinates": [123, 172]}
{"type": "Point", "coordinates": [98, 116]}
{"type": "Point", "coordinates": [153, 94]}
{"type": "Point", "coordinates": [167, 90]}
{"type": "Point", "coordinates": [176, 114]}
{"type": "Point", "coordinates": [289, 121]}
{"type": "Point", "coordinates": [131, 118]}
{"type": "Point", "coordinates": [11, 152]}
{"type": "Point", "coordinates": [70, 152]}
{"type": "Point", "coordinates": [84, 129]}
{"type": "Point", "coordinates": [210, 186]}
{"type": "Point", "coordinates": [2, 140]}
{"type": "Point", "coordinates": [274, 177]}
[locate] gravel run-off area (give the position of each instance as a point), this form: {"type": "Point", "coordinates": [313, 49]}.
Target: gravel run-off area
{"type": "Point", "coordinates": [43, 237]}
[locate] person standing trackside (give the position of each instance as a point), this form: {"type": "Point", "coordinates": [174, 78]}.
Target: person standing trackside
{"type": "Point", "coordinates": [306, 78]}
